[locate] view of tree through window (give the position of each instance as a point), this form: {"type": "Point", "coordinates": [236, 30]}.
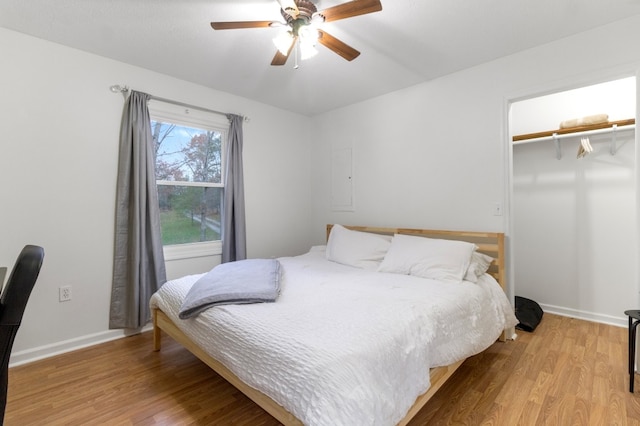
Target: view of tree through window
{"type": "Point", "coordinates": [189, 178]}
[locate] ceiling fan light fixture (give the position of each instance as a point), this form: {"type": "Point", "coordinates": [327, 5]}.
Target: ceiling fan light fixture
{"type": "Point", "coordinates": [307, 50]}
{"type": "Point", "coordinates": [317, 19]}
{"type": "Point", "coordinates": [283, 42]}
{"type": "Point", "coordinates": [309, 34]}
{"type": "Point", "coordinates": [303, 21]}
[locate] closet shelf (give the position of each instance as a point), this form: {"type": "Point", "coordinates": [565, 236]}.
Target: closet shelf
{"type": "Point", "coordinates": [553, 133]}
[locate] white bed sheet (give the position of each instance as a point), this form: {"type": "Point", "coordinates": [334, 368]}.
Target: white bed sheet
{"type": "Point", "coordinates": [345, 346]}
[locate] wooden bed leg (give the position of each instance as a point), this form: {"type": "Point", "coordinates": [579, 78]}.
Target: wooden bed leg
{"type": "Point", "coordinates": [157, 333]}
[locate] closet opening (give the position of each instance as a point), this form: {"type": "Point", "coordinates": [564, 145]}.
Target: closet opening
{"type": "Point", "coordinates": [574, 226]}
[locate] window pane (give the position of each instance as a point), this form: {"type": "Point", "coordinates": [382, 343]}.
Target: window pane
{"type": "Point", "coordinates": [189, 214]}
{"type": "Point", "coordinates": [187, 153]}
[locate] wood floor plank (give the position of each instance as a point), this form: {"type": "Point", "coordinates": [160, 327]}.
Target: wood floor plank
{"type": "Point", "coordinates": [568, 372]}
{"type": "Point", "coordinates": [529, 414]}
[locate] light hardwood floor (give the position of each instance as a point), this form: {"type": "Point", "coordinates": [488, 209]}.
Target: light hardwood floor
{"type": "Point", "coordinates": [569, 372]}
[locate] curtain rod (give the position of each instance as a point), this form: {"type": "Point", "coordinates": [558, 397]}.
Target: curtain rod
{"type": "Point", "coordinates": [116, 88]}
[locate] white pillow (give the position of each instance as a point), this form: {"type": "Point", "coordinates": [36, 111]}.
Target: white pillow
{"type": "Point", "coordinates": [360, 249]}
{"type": "Point", "coordinates": [479, 265]}
{"type": "Point", "coordinates": [443, 260]}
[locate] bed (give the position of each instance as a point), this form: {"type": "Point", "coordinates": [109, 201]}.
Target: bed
{"type": "Point", "coordinates": [364, 330]}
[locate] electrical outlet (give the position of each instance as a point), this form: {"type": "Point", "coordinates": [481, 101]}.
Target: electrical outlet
{"type": "Point", "coordinates": [64, 293]}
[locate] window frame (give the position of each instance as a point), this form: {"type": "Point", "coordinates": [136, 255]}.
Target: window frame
{"type": "Point", "coordinates": [192, 117]}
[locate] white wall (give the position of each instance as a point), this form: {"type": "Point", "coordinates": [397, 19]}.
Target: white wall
{"type": "Point", "coordinates": [577, 216]}
{"type": "Point", "coordinates": [436, 155]}
{"type": "Point", "coordinates": [615, 98]}
{"type": "Point", "coordinates": [59, 131]}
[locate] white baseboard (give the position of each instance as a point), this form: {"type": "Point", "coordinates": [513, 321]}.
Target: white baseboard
{"type": "Point", "coordinates": [621, 321]}
{"type": "Point", "coordinates": [46, 351]}
{"type": "Point", "coordinates": [34, 354]}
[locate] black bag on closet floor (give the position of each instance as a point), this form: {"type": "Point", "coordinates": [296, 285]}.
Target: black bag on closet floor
{"type": "Point", "coordinates": [529, 313]}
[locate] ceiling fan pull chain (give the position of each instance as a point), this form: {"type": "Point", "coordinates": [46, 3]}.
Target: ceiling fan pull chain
{"type": "Point", "coordinates": [297, 54]}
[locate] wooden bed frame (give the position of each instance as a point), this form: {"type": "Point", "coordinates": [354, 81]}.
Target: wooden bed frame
{"type": "Point", "coordinates": [488, 242]}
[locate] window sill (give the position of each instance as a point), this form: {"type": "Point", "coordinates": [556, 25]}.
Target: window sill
{"type": "Point", "coordinates": [194, 250]}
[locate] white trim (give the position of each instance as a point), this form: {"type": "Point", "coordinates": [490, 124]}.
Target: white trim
{"type": "Point", "coordinates": [189, 183]}
{"type": "Point", "coordinates": [181, 114]}
{"type": "Point", "coordinates": [193, 250]}
{"type": "Point", "coordinates": [585, 315]}
{"type": "Point", "coordinates": [507, 217]}
{"type": "Point", "coordinates": [50, 350]}
{"type": "Point", "coordinates": [548, 87]}
{"type": "Point", "coordinates": [186, 116]}
{"type": "Point", "coordinates": [46, 351]}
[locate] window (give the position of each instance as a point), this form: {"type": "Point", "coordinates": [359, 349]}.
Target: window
{"type": "Point", "coordinates": [189, 147]}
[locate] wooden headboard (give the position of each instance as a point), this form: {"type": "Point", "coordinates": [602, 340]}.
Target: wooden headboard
{"type": "Point", "coordinates": [490, 243]}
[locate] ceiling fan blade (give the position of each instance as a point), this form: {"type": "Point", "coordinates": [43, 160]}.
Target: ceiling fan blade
{"type": "Point", "coordinates": [281, 59]}
{"type": "Point", "coordinates": [341, 48]}
{"type": "Point", "coordinates": [349, 9]}
{"type": "Point", "coordinates": [289, 7]}
{"type": "Point", "coordinates": [242, 24]}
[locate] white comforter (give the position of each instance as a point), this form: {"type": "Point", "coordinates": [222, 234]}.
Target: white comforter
{"type": "Point", "coordinates": [344, 346]}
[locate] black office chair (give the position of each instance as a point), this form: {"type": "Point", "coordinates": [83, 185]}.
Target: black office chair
{"type": "Point", "coordinates": [12, 303]}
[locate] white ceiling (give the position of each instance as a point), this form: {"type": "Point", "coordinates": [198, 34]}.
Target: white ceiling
{"type": "Point", "coordinates": [408, 42]}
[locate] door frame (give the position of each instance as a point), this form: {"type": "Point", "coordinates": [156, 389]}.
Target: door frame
{"type": "Point", "coordinates": [574, 82]}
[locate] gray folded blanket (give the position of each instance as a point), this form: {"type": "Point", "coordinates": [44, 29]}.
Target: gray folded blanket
{"type": "Point", "coordinates": [240, 282]}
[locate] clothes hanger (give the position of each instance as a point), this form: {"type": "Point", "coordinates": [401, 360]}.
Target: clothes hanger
{"type": "Point", "coordinates": [584, 148]}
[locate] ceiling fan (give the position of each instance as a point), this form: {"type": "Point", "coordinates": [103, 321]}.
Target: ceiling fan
{"type": "Point", "coordinates": [302, 20]}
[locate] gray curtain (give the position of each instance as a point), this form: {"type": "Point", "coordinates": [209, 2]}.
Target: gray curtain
{"type": "Point", "coordinates": [138, 267]}
{"type": "Point", "coordinates": [234, 245]}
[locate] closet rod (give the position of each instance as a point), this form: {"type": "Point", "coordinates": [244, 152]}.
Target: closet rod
{"type": "Point", "coordinates": [116, 88]}
{"type": "Point", "coordinates": [576, 131]}
{"type": "Point", "coordinates": [555, 136]}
